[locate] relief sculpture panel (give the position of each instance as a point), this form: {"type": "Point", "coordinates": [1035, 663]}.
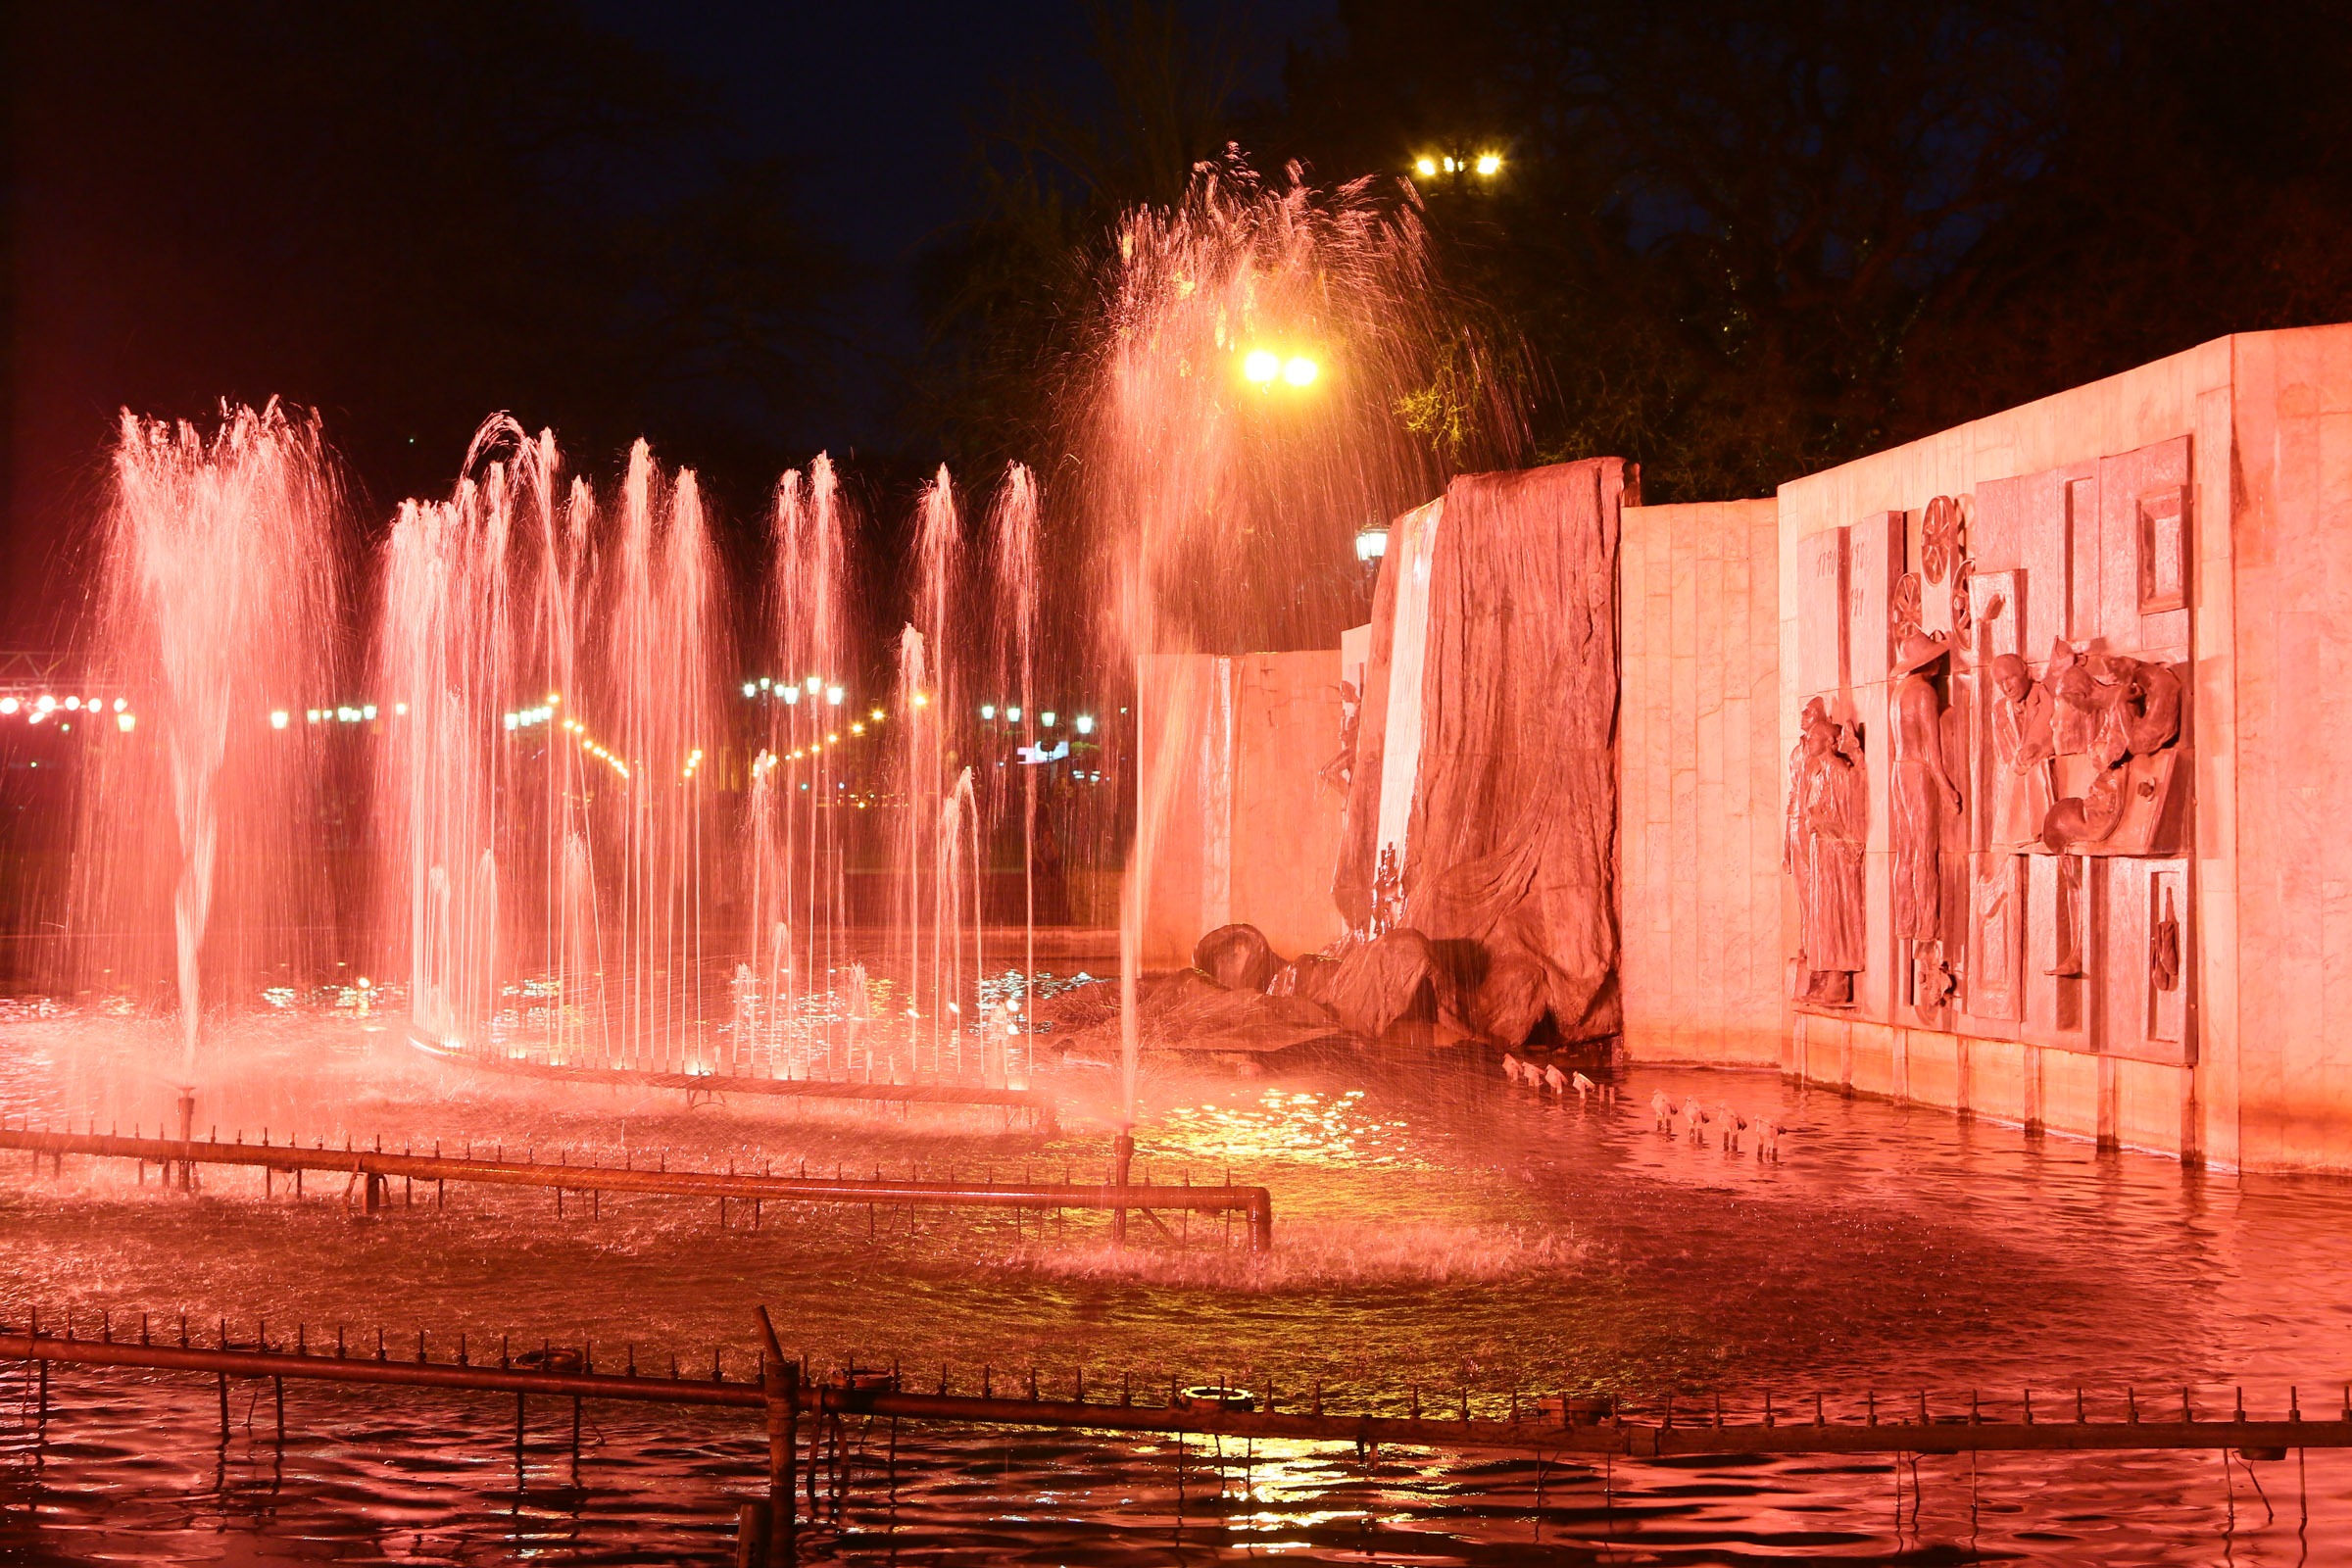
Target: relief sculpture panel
{"type": "Point", "coordinates": [2037, 730]}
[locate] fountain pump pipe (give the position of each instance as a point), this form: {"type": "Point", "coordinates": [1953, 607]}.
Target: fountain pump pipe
{"type": "Point", "coordinates": [187, 1136]}
{"type": "Point", "coordinates": [1123, 1163]}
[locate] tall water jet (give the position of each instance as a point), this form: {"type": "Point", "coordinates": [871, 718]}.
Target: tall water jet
{"type": "Point", "coordinates": [543, 804]}
{"type": "Point", "coordinates": [930, 708]}
{"type": "Point", "coordinates": [1271, 369]}
{"type": "Point", "coordinates": [215, 624]}
{"type": "Point", "coordinates": [807, 645]}
{"type": "Point", "coordinates": [462, 628]}
{"type": "Point", "coordinates": [1014, 598]}
{"type": "Point", "coordinates": [657, 609]}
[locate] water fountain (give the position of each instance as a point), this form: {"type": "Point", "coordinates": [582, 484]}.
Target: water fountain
{"type": "Point", "coordinates": [215, 615]}
{"type": "Point", "coordinates": [585, 854]}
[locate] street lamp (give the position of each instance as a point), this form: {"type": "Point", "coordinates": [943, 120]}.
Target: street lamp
{"type": "Point", "coordinates": [1265, 367]}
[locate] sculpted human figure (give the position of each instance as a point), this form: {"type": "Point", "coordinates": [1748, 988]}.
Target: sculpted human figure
{"type": "Point", "coordinates": [2140, 710]}
{"type": "Point", "coordinates": [1922, 792]}
{"type": "Point", "coordinates": [2075, 701]}
{"type": "Point", "coordinates": [2134, 709]}
{"type": "Point", "coordinates": [2022, 750]}
{"type": "Point", "coordinates": [1828, 808]}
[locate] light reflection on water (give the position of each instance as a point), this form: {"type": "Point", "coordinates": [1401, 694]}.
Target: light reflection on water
{"type": "Point", "coordinates": [1435, 1228]}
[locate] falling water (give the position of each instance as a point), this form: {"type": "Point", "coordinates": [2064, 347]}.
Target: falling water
{"type": "Point", "coordinates": [214, 624]}
{"type": "Point", "coordinates": [806, 647]}
{"type": "Point", "coordinates": [1013, 569]}
{"type": "Point", "coordinates": [1273, 367]}
{"type": "Point", "coordinates": [545, 793]}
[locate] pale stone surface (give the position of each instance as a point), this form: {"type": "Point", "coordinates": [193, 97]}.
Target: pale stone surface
{"type": "Point", "coordinates": [1702, 774]}
{"type": "Point", "coordinates": [1249, 830]}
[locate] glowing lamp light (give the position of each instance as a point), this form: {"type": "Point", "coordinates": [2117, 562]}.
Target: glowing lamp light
{"type": "Point", "coordinates": [1013, 713]}
{"type": "Point", "coordinates": [45, 705]}
{"type": "Point", "coordinates": [122, 703]}
{"type": "Point", "coordinates": [833, 696]}
{"type": "Point", "coordinates": [9, 705]}
{"type": "Point", "coordinates": [369, 712]}
{"type": "Point", "coordinates": [875, 717]}
{"type": "Point", "coordinates": [127, 722]}
{"type": "Point", "coordinates": [792, 695]}
{"type": "Point", "coordinates": [751, 689]}
{"type": "Point", "coordinates": [817, 683]}
{"type": "Point", "coordinates": [1490, 164]}
{"type": "Point", "coordinates": [1452, 166]}
{"type": "Point", "coordinates": [400, 708]}
{"type": "Point", "coordinates": [1046, 719]}
{"type": "Point", "coordinates": [988, 709]}
{"type": "Point", "coordinates": [922, 699]}
{"type": "Point", "coordinates": [279, 718]}
{"type": "Point", "coordinates": [1371, 544]}
{"type": "Point", "coordinates": [857, 728]}
{"type": "Point", "coordinates": [1300, 370]}
{"type": "Point", "coordinates": [1425, 167]}
{"type": "Point", "coordinates": [1085, 724]}
{"type": "Point", "coordinates": [1260, 366]}
{"type": "Point", "coordinates": [72, 704]}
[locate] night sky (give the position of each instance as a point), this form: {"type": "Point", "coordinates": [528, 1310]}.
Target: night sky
{"type": "Point", "coordinates": [872, 103]}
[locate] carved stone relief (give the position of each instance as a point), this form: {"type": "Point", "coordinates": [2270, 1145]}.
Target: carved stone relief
{"type": "Point", "coordinates": [1827, 822]}
{"type": "Point", "coordinates": [1923, 790]}
{"type": "Point", "coordinates": [1998, 932]}
{"type": "Point", "coordinates": [2035, 880]}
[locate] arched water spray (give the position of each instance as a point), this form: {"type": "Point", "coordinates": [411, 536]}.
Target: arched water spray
{"type": "Point", "coordinates": [1222, 489]}
{"type": "Point", "coordinates": [217, 602]}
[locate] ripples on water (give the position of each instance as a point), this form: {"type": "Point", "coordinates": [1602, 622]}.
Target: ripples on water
{"type": "Point", "coordinates": [1435, 1228]}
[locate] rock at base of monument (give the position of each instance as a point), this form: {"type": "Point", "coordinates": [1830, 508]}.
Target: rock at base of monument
{"type": "Point", "coordinates": [1513, 997]}
{"type": "Point", "coordinates": [1396, 985]}
{"type": "Point", "coordinates": [1236, 956]}
{"type": "Point", "coordinates": [1187, 1012]}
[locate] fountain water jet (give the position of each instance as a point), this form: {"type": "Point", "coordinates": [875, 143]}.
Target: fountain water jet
{"type": "Point", "coordinates": [217, 598]}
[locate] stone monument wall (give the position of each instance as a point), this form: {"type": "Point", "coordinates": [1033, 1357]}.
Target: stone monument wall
{"type": "Point", "coordinates": [1701, 769]}
{"type": "Point", "coordinates": [1239, 749]}
{"type": "Point", "coordinates": [2063, 760]}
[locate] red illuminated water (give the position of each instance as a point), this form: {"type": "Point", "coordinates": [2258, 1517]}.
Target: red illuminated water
{"type": "Point", "coordinates": [1434, 1227]}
